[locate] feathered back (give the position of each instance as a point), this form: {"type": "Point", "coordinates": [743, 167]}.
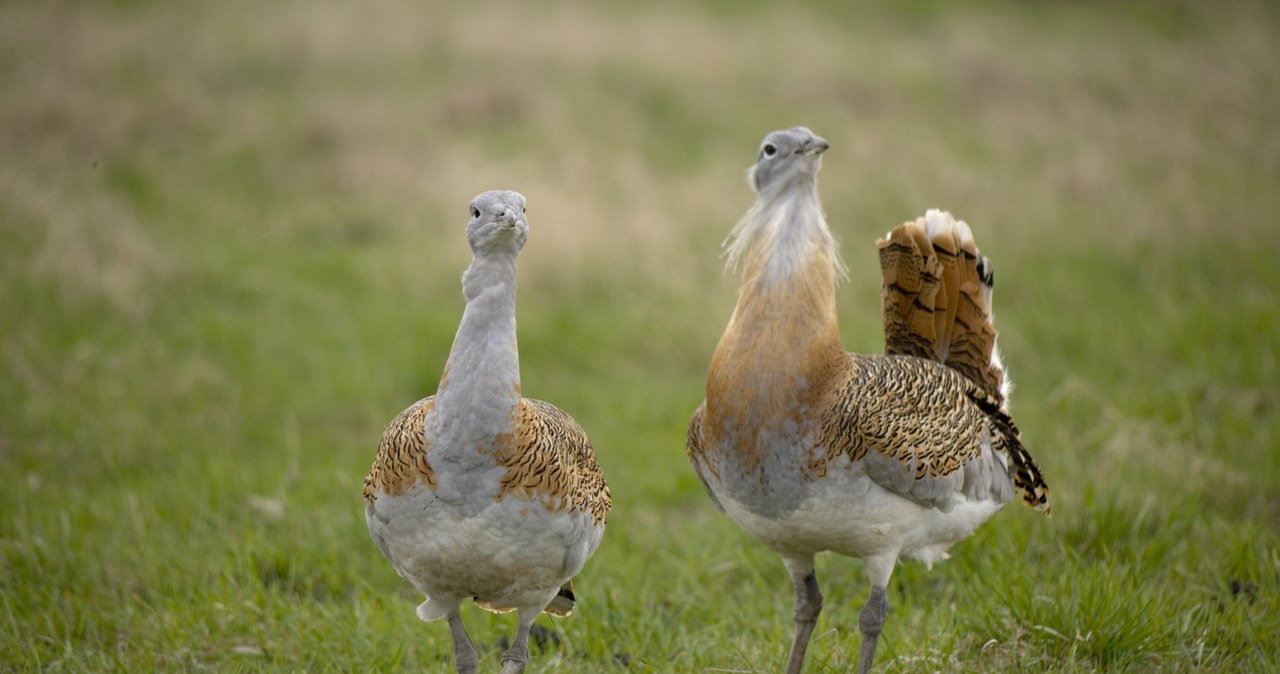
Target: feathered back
{"type": "Point", "coordinates": [936, 299]}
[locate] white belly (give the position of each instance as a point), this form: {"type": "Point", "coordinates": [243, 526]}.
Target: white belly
{"type": "Point", "coordinates": [848, 513]}
{"type": "Point", "coordinates": [511, 553]}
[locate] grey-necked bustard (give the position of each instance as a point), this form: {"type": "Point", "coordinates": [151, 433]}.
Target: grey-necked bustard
{"type": "Point", "coordinates": [477, 492]}
{"type": "Point", "coordinates": [882, 457]}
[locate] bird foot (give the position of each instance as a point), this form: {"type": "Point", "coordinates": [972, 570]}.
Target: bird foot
{"type": "Point", "coordinates": [871, 623]}
{"type": "Point", "coordinates": [512, 667]}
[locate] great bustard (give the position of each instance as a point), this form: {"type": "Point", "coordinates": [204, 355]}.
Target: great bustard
{"type": "Point", "coordinates": [477, 492]}
{"type": "Point", "coordinates": [809, 448]}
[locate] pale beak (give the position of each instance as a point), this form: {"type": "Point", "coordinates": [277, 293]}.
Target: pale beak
{"type": "Point", "coordinates": [814, 146]}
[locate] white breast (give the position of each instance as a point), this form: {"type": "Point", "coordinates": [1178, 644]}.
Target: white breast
{"type": "Point", "coordinates": [508, 552]}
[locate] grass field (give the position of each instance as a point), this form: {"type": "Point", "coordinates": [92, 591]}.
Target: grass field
{"type": "Point", "coordinates": [230, 242]}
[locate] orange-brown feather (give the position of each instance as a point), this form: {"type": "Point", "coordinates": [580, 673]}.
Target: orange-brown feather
{"type": "Point", "coordinates": [781, 334]}
{"type": "Point", "coordinates": [549, 458]}
{"type": "Point", "coordinates": [935, 292]}
{"type": "Point", "coordinates": [401, 461]}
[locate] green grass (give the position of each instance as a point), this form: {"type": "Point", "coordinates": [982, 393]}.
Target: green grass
{"type": "Point", "coordinates": [230, 245]}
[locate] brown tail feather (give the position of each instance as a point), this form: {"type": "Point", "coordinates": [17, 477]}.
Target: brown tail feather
{"type": "Point", "coordinates": [936, 298]}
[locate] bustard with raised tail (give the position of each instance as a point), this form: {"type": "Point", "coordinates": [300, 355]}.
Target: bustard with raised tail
{"type": "Point", "coordinates": [881, 457]}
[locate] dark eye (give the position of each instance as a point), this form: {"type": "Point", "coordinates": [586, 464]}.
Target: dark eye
{"type": "Point", "coordinates": [524, 209]}
{"type": "Point", "coordinates": [769, 149]}
{"type": "Point", "coordinates": [475, 212]}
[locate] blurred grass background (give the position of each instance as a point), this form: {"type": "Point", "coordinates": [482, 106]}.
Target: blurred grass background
{"type": "Point", "coordinates": [230, 242]}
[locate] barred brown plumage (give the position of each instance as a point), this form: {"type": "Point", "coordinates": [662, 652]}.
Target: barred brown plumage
{"type": "Point", "coordinates": [549, 457]}
{"type": "Point", "coordinates": [882, 457]}
{"type": "Point", "coordinates": [401, 461]}
{"type": "Point", "coordinates": [554, 461]}
{"type": "Point", "coordinates": [936, 298]}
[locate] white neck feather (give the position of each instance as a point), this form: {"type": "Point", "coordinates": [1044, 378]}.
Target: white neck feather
{"type": "Point", "coordinates": [787, 223]}
{"type": "Point", "coordinates": [481, 382]}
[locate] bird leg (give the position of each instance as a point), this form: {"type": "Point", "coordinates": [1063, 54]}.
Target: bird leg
{"type": "Point", "coordinates": [516, 657]}
{"type": "Point", "coordinates": [870, 622]}
{"type": "Point", "coordinates": [808, 606]}
{"type": "Point", "coordinates": [464, 654]}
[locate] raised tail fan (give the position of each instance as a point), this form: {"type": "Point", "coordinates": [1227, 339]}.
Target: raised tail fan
{"type": "Point", "coordinates": [936, 299]}
{"type": "Point", "coordinates": [936, 304]}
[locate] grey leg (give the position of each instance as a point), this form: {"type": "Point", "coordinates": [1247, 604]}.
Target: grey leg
{"type": "Point", "coordinates": [808, 606]}
{"type": "Point", "coordinates": [870, 622]}
{"type": "Point", "coordinates": [464, 654]}
{"type": "Point", "coordinates": [516, 657]}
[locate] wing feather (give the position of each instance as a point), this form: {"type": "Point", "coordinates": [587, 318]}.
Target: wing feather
{"type": "Point", "coordinates": [401, 461]}
{"type": "Point", "coordinates": [551, 456]}
{"type": "Point", "coordinates": [919, 431]}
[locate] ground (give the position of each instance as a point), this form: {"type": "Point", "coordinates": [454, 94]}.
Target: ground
{"type": "Point", "coordinates": [230, 242]}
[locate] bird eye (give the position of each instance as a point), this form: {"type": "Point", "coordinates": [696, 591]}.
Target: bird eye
{"type": "Point", "coordinates": [770, 149]}
{"type": "Point", "coordinates": [475, 212]}
{"type": "Point", "coordinates": [524, 209]}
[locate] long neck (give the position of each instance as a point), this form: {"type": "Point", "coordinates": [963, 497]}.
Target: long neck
{"type": "Point", "coordinates": [783, 339]}
{"type": "Point", "coordinates": [481, 381]}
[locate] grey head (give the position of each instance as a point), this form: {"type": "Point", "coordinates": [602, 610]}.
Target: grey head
{"type": "Point", "coordinates": [787, 157]}
{"type": "Point", "coordinates": [498, 222]}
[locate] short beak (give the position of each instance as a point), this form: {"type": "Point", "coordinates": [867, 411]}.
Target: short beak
{"type": "Point", "coordinates": [813, 146]}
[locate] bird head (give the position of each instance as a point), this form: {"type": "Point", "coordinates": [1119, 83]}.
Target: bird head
{"type": "Point", "coordinates": [497, 223]}
{"type": "Point", "coordinates": [785, 157]}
